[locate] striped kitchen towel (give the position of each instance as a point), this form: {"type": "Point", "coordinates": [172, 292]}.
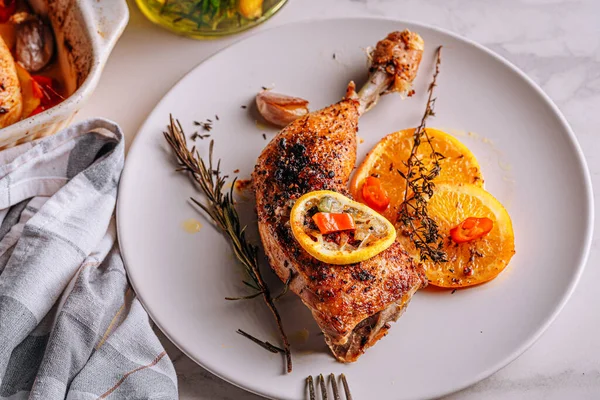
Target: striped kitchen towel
{"type": "Point", "coordinates": [70, 325]}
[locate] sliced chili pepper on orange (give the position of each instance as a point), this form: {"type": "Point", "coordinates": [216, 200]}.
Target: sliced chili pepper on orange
{"type": "Point", "coordinates": [470, 229]}
{"type": "Point", "coordinates": [374, 195]}
{"type": "Point", "coordinates": [333, 222]}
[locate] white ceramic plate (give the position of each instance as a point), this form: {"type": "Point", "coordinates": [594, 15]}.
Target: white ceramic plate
{"type": "Point", "coordinates": [530, 160]}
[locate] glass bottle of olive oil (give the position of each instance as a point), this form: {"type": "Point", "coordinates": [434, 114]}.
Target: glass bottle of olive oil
{"type": "Point", "coordinates": [208, 18]}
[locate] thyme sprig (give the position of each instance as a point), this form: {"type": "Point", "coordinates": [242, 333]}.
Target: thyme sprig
{"type": "Point", "coordinates": [417, 224]}
{"type": "Point", "coordinates": [220, 207]}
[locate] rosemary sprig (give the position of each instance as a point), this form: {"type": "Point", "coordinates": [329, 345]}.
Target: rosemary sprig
{"type": "Point", "coordinates": [265, 345]}
{"type": "Point", "coordinates": [418, 225]}
{"type": "Point", "coordinates": [220, 208]}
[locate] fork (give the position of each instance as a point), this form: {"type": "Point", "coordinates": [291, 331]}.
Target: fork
{"type": "Point", "coordinates": [321, 383]}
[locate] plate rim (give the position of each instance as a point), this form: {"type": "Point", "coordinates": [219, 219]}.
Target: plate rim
{"type": "Point", "coordinates": [588, 211]}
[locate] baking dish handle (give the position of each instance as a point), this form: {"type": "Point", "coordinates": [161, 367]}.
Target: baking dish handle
{"type": "Point", "coordinates": [109, 19]}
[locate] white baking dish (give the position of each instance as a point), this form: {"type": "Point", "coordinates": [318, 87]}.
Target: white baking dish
{"type": "Point", "coordinates": [86, 32]}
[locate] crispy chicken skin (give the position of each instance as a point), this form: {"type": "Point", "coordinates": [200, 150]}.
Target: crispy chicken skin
{"type": "Point", "coordinates": [351, 303]}
{"type": "Point", "coordinates": [399, 54]}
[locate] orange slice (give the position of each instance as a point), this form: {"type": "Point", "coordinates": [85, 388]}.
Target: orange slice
{"type": "Point", "coordinates": [389, 155]}
{"type": "Point", "coordinates": [472, 262]}
{"type": "Point", "coordinates": [373, 233]}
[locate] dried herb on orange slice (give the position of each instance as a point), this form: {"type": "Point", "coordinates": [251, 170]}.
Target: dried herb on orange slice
{"type": "Point", "coordinates": [485, 254]}
{"type": "Point", "coordinates": [389, 156]}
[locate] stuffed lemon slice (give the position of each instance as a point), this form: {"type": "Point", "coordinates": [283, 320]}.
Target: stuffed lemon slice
{"type": "Point", "coordinates": [337, 230]}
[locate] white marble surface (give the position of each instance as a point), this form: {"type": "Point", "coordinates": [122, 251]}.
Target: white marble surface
{"type": "Point", "coordinates": [556, 42]}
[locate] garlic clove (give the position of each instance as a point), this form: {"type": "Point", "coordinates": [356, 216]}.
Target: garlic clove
{"type": "Point", "coordinates": [280, 109]}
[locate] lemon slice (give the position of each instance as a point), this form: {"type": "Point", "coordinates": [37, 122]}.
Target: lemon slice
{"type": "Point", "coordinates": [373, 233]}
{"type": "Point", "coordinates": [475, 261]}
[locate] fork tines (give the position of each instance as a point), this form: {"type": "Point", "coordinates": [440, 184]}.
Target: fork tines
{"type": "Point", "coordinates": [334, 386]}
{"type": "Point", "coordinates": [336, 393]}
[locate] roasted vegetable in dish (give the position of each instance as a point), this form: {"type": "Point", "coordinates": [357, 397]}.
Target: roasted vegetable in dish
{"type": "Point", "coordinates": [7, 9]}
{"type": "Point", "coordinates": [35, 41]}
{"type": "Point", "coordinates": [26, 46]}
{"type": "Point", "coordinates": [11, 100]}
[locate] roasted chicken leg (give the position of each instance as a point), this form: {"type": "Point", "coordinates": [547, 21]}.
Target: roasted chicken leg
{"type": "Point", "coordinates": [353, 304]}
